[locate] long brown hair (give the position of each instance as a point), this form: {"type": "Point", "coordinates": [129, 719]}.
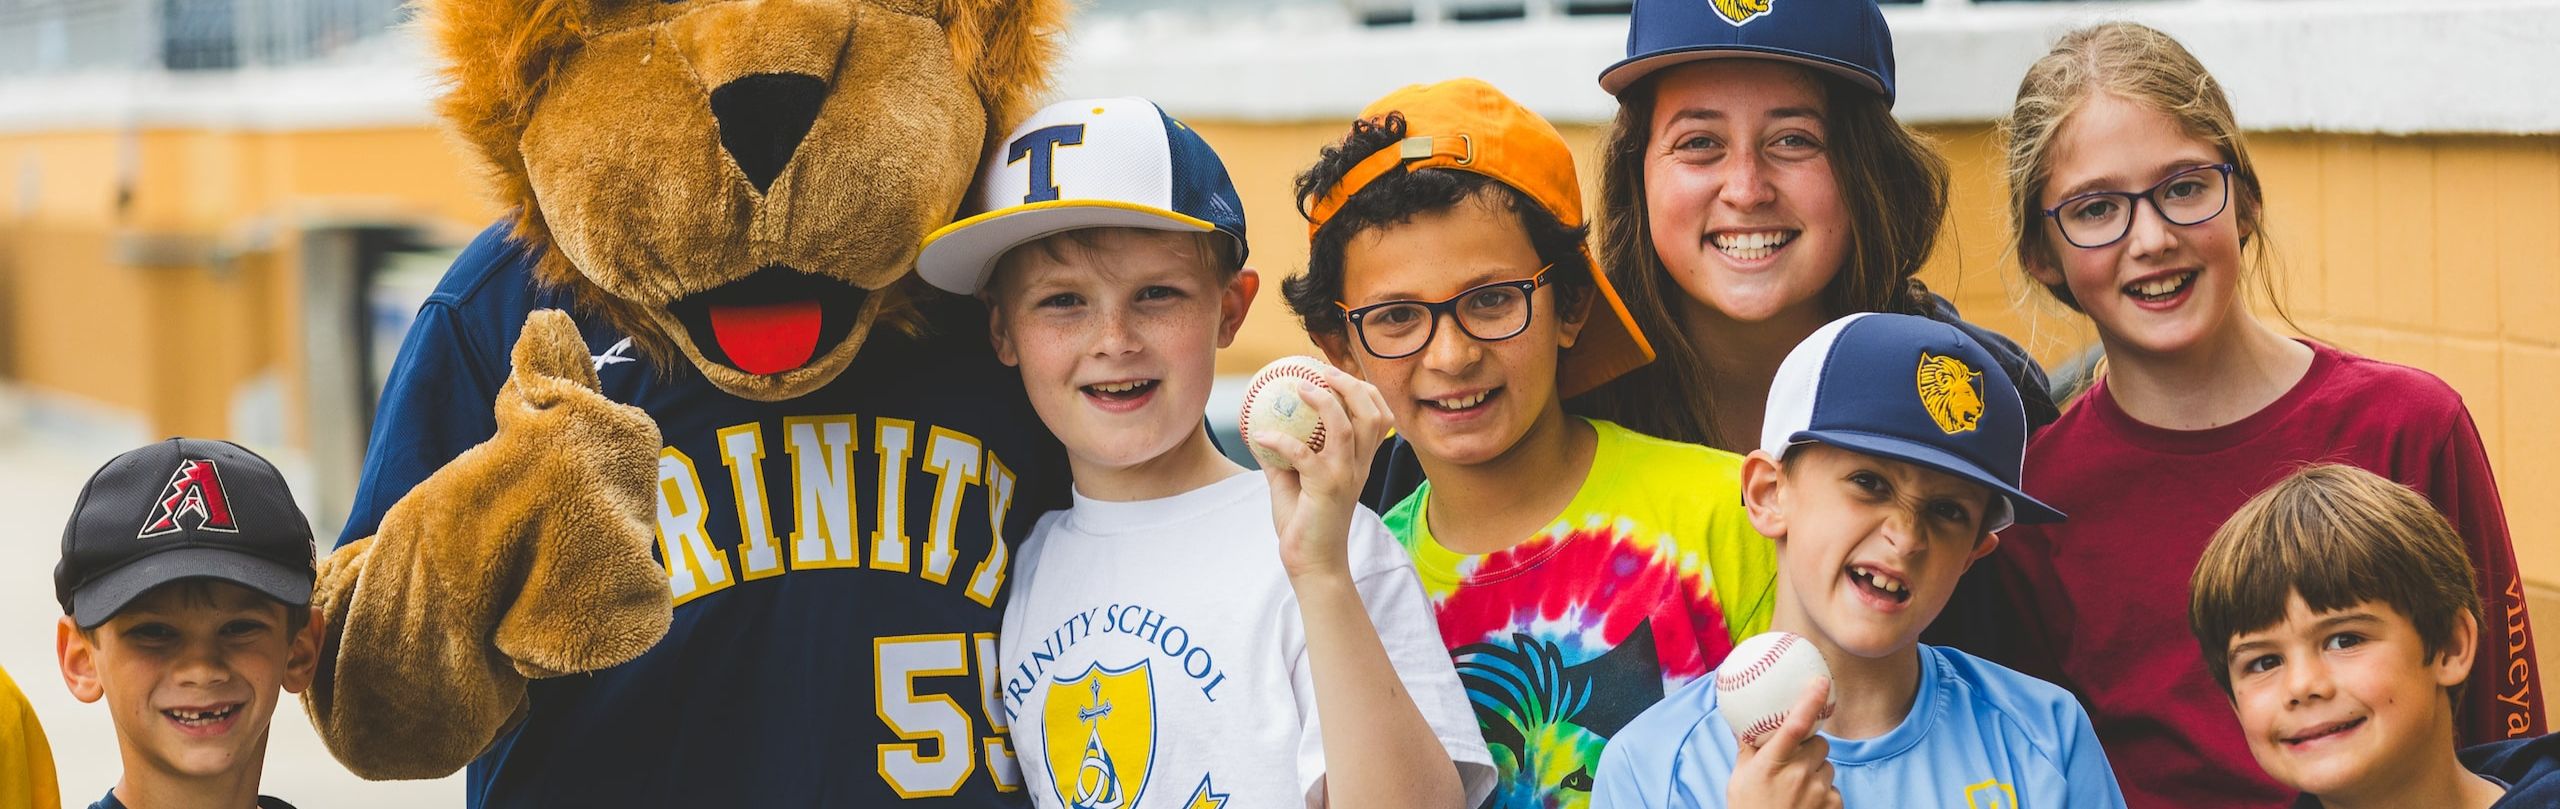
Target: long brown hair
{"type": "Point", "coordinates": [1894, 183]}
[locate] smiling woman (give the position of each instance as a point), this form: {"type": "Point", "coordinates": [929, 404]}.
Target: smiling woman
{"type": "Point", "coordinates": [1754, 186]}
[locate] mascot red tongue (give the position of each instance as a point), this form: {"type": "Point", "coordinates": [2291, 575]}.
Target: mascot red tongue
{"type": "Point", "coordinates": [767, 338]}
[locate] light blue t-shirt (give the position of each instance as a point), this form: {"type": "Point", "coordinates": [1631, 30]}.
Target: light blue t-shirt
{"type": "Point", "coordinates": [1979, 736]}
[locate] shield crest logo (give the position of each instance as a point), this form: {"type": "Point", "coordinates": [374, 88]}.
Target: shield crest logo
{"type": "Point", "coordinates": [1952, 393]}
{"type": "Point", "coordinates": [1101, 726]}
{"type": "Point", "coordinates": [1738, 12]}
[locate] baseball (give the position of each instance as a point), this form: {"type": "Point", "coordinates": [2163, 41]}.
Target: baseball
{"type": "Point", "coordinates": [1763, 678]}
{"type": "Point", "coordinates": [1271, 405]}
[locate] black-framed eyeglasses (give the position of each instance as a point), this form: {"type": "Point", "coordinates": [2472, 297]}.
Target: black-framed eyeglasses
{"type": "Point", "coordinates": [2100, 218]}
{"type": "Point", "coordinates": [1489, 313]}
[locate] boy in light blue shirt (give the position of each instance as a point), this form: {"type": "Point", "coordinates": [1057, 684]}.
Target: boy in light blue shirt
{"type": "Point", "coordinates": [1888, 458]}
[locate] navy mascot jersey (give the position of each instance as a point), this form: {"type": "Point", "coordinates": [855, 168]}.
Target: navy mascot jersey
{"type": "Point", "coordinates": [837, 560]}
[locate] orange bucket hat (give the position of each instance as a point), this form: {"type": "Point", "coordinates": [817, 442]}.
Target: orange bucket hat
{"type": "Point", "coordinates": [1467, 125]}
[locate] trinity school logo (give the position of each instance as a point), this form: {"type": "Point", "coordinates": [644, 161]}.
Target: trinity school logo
{"type": "Point", "coordinates": [1115, 709]}
{"type": "Point", "coordinates": [195, 494]}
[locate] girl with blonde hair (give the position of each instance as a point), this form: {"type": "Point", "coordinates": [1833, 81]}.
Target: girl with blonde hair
{"type": "Point", "coordinates": [2134, 201]}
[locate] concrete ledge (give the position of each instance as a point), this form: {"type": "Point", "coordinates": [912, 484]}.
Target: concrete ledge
{"type": "Point", "coordinates": [2339, 66]}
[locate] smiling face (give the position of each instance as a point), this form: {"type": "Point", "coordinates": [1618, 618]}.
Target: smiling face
{"type": "Point", "coordinates": [742, 184]}
{"type": "Point", "coordinates": [1460, 400]}
{"type": "Point", "coordinates": [1741, 198]}
{"type": "Point", "coordinates": [1116, 331]}
{"type": "Point", "coordinates": [190, 671]}
{"type": "Point", "coordinates": [2346, 702]}
{"type": "Point", "coordinates": [1869, 548]}
{"type": "Point", "coordinates": [2163, 289]}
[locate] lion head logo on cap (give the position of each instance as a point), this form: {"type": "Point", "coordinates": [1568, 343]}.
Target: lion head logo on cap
{"type": "Point", "coordinates": [1952, 392]}
{"type": "Point", "coordinates": [1741, 11]}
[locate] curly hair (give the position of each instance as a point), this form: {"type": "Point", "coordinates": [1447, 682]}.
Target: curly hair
{"type": "Point", "coordinates": [1395, 198]}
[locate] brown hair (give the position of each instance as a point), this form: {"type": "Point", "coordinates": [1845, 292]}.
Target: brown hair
{"type": "Point", "coordinates": [1394, 199]}
{"type": "Point", "coordinates": [1894, 183]}
{"type": "Point", "coordinates": [2339, 536]}
{"type": "Point", "coordinates": [2143, 66]}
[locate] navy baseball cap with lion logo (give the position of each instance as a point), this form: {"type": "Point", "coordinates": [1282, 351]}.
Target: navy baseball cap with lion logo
{"type": "Point", "coordinates": [180, 509]}
{"type": "Point", "coordinates": [1911, 389]}
{"type": "Point", "coordinates": [1847, 38]}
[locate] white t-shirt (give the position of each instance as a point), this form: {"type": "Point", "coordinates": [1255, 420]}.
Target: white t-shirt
{"type": "Point", "coordinates": [1154, 657]}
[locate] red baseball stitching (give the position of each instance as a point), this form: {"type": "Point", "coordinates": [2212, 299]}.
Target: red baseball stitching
{"type": "Point", "coordinates": [1729, 681]}
{"type": "Point", "coordinates": [1299, 369]}
{"type": "Point", "coordinates": [1761, 729]}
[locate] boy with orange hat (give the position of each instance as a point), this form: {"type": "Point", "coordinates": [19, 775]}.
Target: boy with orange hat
{"type": "Point", "coordinates": [1578, 570]}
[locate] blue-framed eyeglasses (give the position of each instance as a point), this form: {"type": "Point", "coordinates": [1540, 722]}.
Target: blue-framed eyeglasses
{"type": "Point", "coordinates": [1497, 311]}
{"type": "Point", "coordinates": [2100, 218]}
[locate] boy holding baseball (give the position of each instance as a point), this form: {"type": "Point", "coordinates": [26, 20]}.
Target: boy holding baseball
{"type": "Point", "coordinates": [1888, 458]}
{"type": "Point", "coordinates": [1181, 627]}
{"type": "Point", "coordinates": [2337, 611]}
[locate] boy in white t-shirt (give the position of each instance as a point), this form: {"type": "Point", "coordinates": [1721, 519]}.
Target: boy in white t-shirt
{"type": "Point", "coordinates": [1172, 638]}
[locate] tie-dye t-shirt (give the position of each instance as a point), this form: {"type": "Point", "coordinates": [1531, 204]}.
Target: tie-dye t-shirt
{"type": "Point", "coordinates": [1641, 585]}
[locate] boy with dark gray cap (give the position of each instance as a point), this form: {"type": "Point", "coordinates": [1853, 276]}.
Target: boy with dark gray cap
{"type": "Point", "coordinates": [185, 585]}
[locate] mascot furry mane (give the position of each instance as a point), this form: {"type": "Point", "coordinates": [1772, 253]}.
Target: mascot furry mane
{"type": "Point", "coordinates": [742, 183]}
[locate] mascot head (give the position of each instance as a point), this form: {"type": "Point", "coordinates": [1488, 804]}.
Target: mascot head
{"type": "Point", "coordinates": [743, 183]}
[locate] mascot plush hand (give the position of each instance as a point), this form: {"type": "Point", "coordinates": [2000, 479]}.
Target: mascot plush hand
{"type": "Point", "coordinates": [683, 491]}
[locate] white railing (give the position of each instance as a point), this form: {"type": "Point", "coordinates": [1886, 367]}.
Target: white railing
{"type": "Point", "coordinates": [44, 37]}
{"type": "Point", "coordinates": [2385, 66]}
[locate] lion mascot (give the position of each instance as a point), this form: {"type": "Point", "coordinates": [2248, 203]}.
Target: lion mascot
{"type": "Point", "coordinates": [683, 491]}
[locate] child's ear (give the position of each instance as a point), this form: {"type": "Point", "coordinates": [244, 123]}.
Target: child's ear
{"type": "Point", "coordinates": [2040, 267]}
{"type": "Point", "coordinates": [79, 661]}
{"type": "Point", "coordinates": [1571, 317]}
{"type": "Point", "coordinates": [1981, 548]}
{"type": "Point", "coordinates": [2453, 662]}
{"type": "Point", "coordinates": [1762, 497]}
{"type": "Point", "coordinates": [1235, 302]}
{"type": "Point", "coordinates": [302, 658]}
{"type": "Point", "coordinates": [1337, 349]}
{"type": "Point", "coordinates": [999, 330]}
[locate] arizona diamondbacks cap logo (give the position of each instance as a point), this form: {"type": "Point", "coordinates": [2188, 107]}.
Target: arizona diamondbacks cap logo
{"type": "Point", "coordinates": [195, 490]}
{"type": "Point", "coordinates": [1741, 11]}
{"type": "Point", "coordinates": [1115, 711]}
{"type": "Point", "coordinates": [1952, 393]}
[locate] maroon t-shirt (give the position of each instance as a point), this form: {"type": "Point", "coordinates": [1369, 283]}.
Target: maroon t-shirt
{"type": "Point", "coordinates": [2102, 598]}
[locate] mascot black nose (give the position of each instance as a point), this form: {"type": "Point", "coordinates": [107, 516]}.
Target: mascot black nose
{"type": "Point", "coordinates": [762, 119]}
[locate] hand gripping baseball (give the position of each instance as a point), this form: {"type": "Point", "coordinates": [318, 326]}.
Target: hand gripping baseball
{"type": "Point", "coordinates": [1314, 490]}
{"type": "Point", "coordinates": [527, 556]}
{"type": "Point", "coordinates": [1793, 769]}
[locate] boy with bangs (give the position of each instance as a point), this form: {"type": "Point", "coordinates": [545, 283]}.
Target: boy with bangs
{"type": "Point", "coordinates": [1186, 625]}
{"type": "Point", "coordinates": [1888, 461]}
{"type": "Point", "coordinates": [185, 585]}
{"type": "Point", "coordinates": [2338, 612]}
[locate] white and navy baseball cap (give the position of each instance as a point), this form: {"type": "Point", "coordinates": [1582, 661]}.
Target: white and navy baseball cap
{"type": "Point", "coordinates": [184, 508]}
{"type": "Point", "coordinates": [1911, 389]}
{"type": "Point", "coordinates": [1096, 162]}
{"type": "Point", "coordinates": [1847, 38]}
